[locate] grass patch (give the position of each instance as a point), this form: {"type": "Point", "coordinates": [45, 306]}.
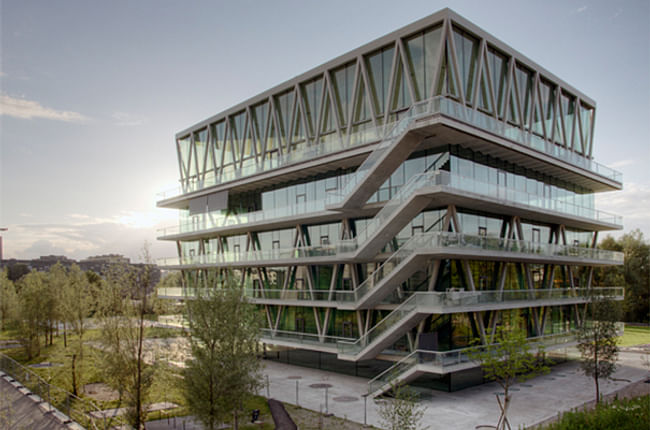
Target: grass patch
{"type": "Point", "coordinates": [635, 335]}
{"type": "Point", "coordinates": [619, 415]}
{"type": "Point", "coordinates": [166, 386]}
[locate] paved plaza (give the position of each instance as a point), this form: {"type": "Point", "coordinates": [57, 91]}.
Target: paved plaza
{"type": "Point", "coordinates": [534, 401]}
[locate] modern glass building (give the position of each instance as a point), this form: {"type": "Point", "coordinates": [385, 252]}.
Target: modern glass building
{"type": "Point", "coordinates": [389, 207]}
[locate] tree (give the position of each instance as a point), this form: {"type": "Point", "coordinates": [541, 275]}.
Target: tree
{"type": "Point", "coordinates": [32, 311]}
{"type": "Point", "coordinates": [402, 412]}
{"type": "Point", "coordinates": [597, 342]}
{"type": "Point", "coordinates": [16, 271]}
{"type": "Point", "coordinates": [224, 369]}
{"type": "Point", "coordinates": [123, 308]}
{"type": "Point", "coordinates": [78, 303]}
{"type": "Point", "coordinates": [634, 274]}
{"type": "Point", "coordinates": [508, 361]}
{"type": "Point", "coordinates": [8, 300]}
{"type": "Point", "coordinates": [163, 306]}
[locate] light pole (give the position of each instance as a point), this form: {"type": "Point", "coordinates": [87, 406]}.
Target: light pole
{"type": "Point", "coordinates": [2, 229]}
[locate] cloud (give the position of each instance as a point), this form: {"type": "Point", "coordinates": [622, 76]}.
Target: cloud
{"type": "Point", "coordinates": [44, 247]}
{"type": "Point", "coordinates": [633, 203]}
{"type": "Point", "coordinates": [28, 109]}
{"type": "Point", "coordinates": [83, 235]}
{"type": "Point", "coordinates": [126, 119]}
{"type": "Point", "coordinates": [622, 163]}
{"type": "Point", "coordinates": [581, 9]}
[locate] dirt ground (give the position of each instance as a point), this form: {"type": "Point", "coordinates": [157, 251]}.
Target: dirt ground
{"type": "Point", "coordinates": [100, 392]}
{"type": "Point", "coordinates": [306, 419]}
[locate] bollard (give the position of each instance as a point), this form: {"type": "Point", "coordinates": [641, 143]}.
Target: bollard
{"type": "Point", "coordinates": [268, 387]}
{"type": "Point", "coordinates": [326, 408]}
{"type": "Point", "coordinates": [365, 411]}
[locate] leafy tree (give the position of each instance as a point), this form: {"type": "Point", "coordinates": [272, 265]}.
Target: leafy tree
{"type": "Point", "coordinates": [507, 361]}
{"type": "Point", "coordinates": [123, 309]}
{"type": "Point", "coordinates": [16, 271]}
{"type": "Point", "coordinates": [402, 412]}
{"type": "Point", "coordinates": [8, 300]}
{"type": "Point", "coordinates": [224, 368]}
{"type": "Point", "coordinates": [165, 306]}
{"type": "Point", "coordinates": [634, 274]}
{"type": "Point", "coordinates": [597, 342]}
{"type": "Point", "coordinates": [78, 303]}
{"type": "Point", "coordinates": [32, 313]}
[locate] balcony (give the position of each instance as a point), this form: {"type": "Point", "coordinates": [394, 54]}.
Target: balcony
{"type": "Point", "coordinates": [418, 247]}
{"type": "Point", "coordinates": [482, 193]}
{"type": "Point", "coordinates": [419, 305]}
{"type": "Point", "coordinates": [441, 362]}
{"type": "Point", "coordinates": [389, 137]}
{"type": "Point", "coordinates": [294, 339]}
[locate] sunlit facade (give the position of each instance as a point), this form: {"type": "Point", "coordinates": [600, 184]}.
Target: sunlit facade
{"type": "Point", "coordinates": [384, 210]}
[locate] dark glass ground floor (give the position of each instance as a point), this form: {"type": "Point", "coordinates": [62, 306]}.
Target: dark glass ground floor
{"type": "Point", "coordinates": [371, 368]}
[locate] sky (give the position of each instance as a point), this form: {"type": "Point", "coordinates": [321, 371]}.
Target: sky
{"type": "Point", "coordinates": [92, 93]}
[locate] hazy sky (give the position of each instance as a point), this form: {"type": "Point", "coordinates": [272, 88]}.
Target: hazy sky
{"type": "Point", "coordinates": [92, 93]}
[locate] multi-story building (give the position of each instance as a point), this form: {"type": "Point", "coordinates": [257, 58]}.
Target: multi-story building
{"type": "Point", "coordinates": [391, 205]}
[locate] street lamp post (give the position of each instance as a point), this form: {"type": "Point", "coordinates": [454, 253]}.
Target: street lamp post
{"type": "Point", "coordinates": [2, 229]}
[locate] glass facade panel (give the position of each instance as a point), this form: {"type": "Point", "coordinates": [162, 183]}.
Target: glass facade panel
{"type": "Point", "coordinates": [467, 56]}
{"type": "Point", "coordinates": [343, 81]}
{"type": "Point", "coordinates": [184, 147]}
{"type": "Point", "coordinates": [524, 80]}
{"type": "Point", "coordinates": [379, 66]}
{"type": "Point", "coordinates": [284, 109]}
{"type": "Point", "coordinates": [498, 67]}
{"type": "Point", "coordinates": [312, 94]}
{"type": "Point", "coordinates": [568, 106]}
{"type": "Point", "coordinates": [422, 52]}
{"type": "Point", "coordinates": [401, 93]}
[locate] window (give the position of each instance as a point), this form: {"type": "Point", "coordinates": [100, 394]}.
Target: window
{"type": "Point", "coordinates": [347, 329]}
{"type": "Point", "coordinates": [324, 240]}
{"type": "Point", "coordinates": [482, 231]}
{"type": "Point", "coordinates": [301, 198]}
{"type": "Point", "coordinates": [235, 249]}
{"type": "Point", "coordinates": [300, 324]}
{"type": "Point", "coordinates": [275, 244]}
{"type": "Point", "coordinates": [536, 235]}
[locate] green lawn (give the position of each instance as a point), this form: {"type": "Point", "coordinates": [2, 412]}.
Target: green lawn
{"type": "Point", "coordinates": [619, 414]}
{"type": "Point", "coordinates": [635, 335]}
{"type": "Point", "coordinates": [166, 386]}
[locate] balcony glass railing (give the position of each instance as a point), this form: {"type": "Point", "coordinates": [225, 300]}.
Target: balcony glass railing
{"type": "Point", "coordinates": [387, 134]}
{"type": "Point", "coordinates": [442, 361]}
{"type": "Point", "coordinates": [253, 256]}
{"type": "Point", "coordinates": [298, 338]}
{"type": "Point", "coordinates": [427, 301]}
{"type": "Point", "coordinates": [421, 243]}
{"type": "Point", "coordinates": [436, 177]}
{"type": "Point", "coordinates": [259, 294]}
{"type": "Point", "coordinates": [212, 220]}
{"type": "Point", "coordinates": [435, 241]}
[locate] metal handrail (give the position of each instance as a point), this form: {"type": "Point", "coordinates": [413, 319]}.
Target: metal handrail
{"type": "Point", "coordinates": [76, 408]}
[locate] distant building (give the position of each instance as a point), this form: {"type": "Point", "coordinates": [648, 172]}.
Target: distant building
{"type": "Point", "coordinates": [393, 204]}
{"type": "Point", "coordinates": [99, 264]}
{"type": "Point", "coordinates": [107, 259]}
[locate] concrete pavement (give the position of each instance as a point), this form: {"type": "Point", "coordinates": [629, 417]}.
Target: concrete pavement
{"type": "Point", "coordinates": [533, 401]}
